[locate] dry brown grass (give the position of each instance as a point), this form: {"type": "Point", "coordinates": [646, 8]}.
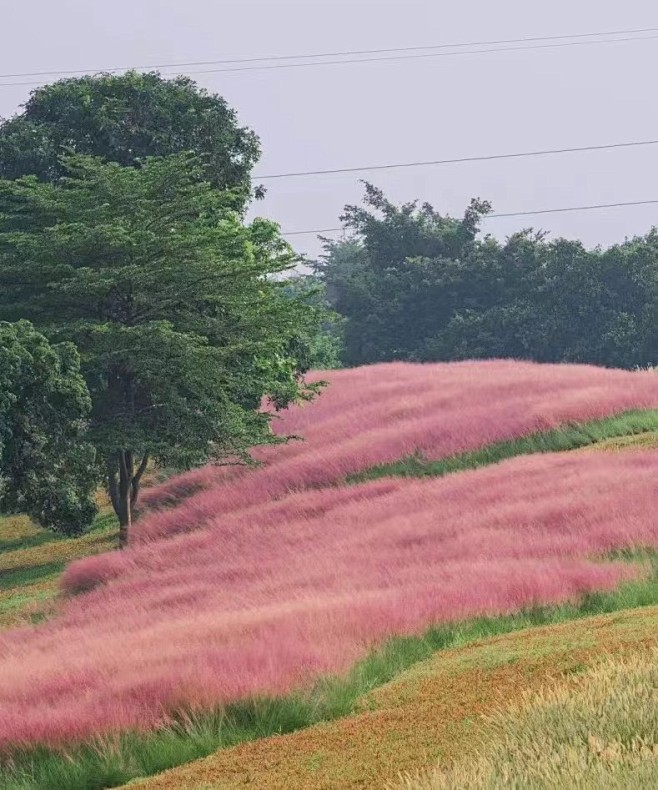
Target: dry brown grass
{"type": "Point", "coordinates": [601, 732]}
{"type": "Point", "coordinates": [642, 441]}
{"type": "Point", "coordinates": [436, 711]}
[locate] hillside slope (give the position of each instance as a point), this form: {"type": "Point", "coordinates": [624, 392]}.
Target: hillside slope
{"type": "Point", "coordinates": [267, 580]}
{"type": "Point", "coordinates": [435, 711]}
{"type": "Point", "coordinates": [376, 415]}
{"type": "Point", "coordinates": [266, 601]}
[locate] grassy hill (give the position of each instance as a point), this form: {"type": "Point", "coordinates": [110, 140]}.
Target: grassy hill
{"type": "Point", "coordinates": [436, 711]}
{"type": "Point", "coordinates": [293, 598]}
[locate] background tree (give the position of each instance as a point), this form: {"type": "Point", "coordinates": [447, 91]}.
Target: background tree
{"type": "Point", "coordinates": [416, 286]}
{"type": "Point", "coordinates": [170, 298]}
{"type": "Point", "coordinates": [46, 465]}
{"type": "Point", "coordinates": [125, 118]}
{"type": "Point", "coordinates": [321, 349]}
{"type": "Point", "coordinates": [393, 281]}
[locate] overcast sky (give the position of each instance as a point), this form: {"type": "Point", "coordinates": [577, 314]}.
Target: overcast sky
{"type": "Point", "coordinates": [397, 111]}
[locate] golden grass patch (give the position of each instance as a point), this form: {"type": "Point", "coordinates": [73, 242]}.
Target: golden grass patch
{"type": "Point", "coordinates": [15, 528]}
{"type": "Point", "coordinates": [435, 711]}
{"type": "Point", "coordinates": [600, 732]}
{"type": "Point", "coordinates": [641, 441]}
{"type": "Point", "coordinates": [61, 550]}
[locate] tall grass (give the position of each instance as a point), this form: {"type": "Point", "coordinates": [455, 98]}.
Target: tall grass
{"type": "Point", "coordinates": [111, 762]}
{"type": "Point", "coordinates": [376, 415]}
{"type": "Point", "coordinates": [601, 734]}
{"type": "Point", "coordinates": [270, 599]}
{"type": "Point", "coordinates": [250, 592]}
{"type": "Point", "coordinates": [567, 437]}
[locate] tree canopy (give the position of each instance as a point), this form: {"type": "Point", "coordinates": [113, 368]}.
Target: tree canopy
{"type": "Point", "coordinates": [124, 118]}
{"type": "Point", "coordinates": [171, 300]}
{"type": "Point", "coordinates": [321, 348]}
{"type": "Point", "coordinates": [384, 280]}
{"type": "Point", "coordinates": [46, 464]}
{"type": "Point", "coordinates": [413, 285]}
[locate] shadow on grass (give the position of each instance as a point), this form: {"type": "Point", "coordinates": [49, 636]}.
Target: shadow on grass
{"type": "Point", "coordinates": [39, 539]}
{"type": "Point", "coordinates": [104, 522]}
{"type": "Point", "coordinates": [29, 574]}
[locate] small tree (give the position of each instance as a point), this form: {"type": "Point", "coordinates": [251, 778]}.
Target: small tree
{"type": "Point", "coordinates": [46, 465]}
{"type": "Point", "coordinates": [182, 329]}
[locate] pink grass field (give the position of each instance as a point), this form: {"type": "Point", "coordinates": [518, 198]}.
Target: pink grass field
{"type": "Point", "coordinates": [378, 414]}
{"type": "Point", "coordinates": [252, 588]}
{"type": "Point", "coordinates": [263, 601]}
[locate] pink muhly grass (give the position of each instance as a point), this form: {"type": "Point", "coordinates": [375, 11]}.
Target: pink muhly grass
{"type": "Point", "coordinates": [379, 414]}
{"type": "Point", "coordinates": [265, 599]}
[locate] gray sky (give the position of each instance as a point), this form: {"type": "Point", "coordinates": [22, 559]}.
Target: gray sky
{"type": "Point", "coordinates": [376, 113]}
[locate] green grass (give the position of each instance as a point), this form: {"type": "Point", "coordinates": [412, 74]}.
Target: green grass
{"type": "Point", "coordinates": [38, 539]}
{"type": "Point", "coordinates": [567, 437]}
{"type": "Point", "coordinates": [30, 574]}
{"type": "Point", "coordinates": [32, 560]}
{"type": "Point", "coordinates": [21, 600]}
{"type": "Point", "coordinates": [122, 758]}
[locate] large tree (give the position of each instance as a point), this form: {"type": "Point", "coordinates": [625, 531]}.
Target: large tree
{"type": "Point", "coordinates": [171, 300]}
{"type": "Point", "coordinates": [321, 349]}
{"type": "Point", "coordinates": [125, 118]}
{"type": "Point", "coordinates": [395, 279]}
{"type": "Point", "coordinates": [46, 464]}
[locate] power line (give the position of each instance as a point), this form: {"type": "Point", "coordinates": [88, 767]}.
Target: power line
{"type": "Point", "coordinates": [272, 66]}
{"type": "Point", "coordinates": [422, 56]}
{"type": "Point", "coordinates": [506, 215]}
{"type": "Point", "coordinates": [343, 53]}
{"type": "Point", "coordinates": [461, 160]}
{"type": "Point", "coordinates": [574, 208]}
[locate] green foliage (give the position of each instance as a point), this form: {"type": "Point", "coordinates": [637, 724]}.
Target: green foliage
{"type": "Point", "coordinates": [321, 350]}
{"type": "Point", "coordinates": [415, 286]}
{"type": "Point", "coordinates": [46, 464]}
{"type": "Point", "coordinates": [384, 281]}
{"type": "Point", "coordinates": [125, 118]}
{"type": "Point", "coordinates": [171, 300]}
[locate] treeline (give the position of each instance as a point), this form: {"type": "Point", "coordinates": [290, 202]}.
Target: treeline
{"type": "Point", "coordinates": [410, 284]}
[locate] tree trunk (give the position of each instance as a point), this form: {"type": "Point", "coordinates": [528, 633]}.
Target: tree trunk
{"type": "Point", "coordinates": [125, 491]}
{"type": "Point", "coordinates": [136, 482]}
{"type": "Point", "coordinates": [124, 486]}
{"type": "Point", "coordinates": [125, 520]}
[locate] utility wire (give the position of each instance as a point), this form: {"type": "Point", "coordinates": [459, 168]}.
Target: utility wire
{"type": "Point", "coordinates": [461, 160]}
{"type": "Point", "coordinates": [343, 53]}
{"type": "Point", "coordinates": [425, 55]}
{"type": "Point", "coordinates": [505, 215]}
